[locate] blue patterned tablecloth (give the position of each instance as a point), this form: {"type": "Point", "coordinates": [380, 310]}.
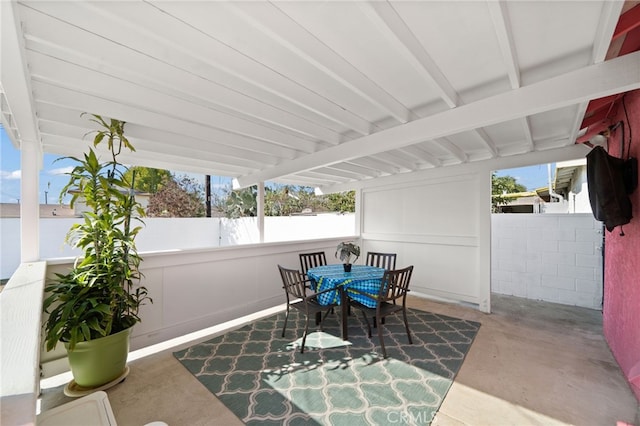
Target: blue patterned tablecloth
{"type": "Point", "coordinates": [362, 277]}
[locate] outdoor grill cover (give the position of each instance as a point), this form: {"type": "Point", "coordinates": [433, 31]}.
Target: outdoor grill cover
{"type": "Point", "coordinates": [607, 194]}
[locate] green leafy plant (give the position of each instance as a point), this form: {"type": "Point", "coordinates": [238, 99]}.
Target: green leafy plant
{"type": "Point", "coordinates": [100, 295]}
{"type": "Point", "coordinates": [347, 250]}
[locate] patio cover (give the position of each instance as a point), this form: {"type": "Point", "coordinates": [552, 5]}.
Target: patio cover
{"type": "Point", "coordinates": [325, 94]}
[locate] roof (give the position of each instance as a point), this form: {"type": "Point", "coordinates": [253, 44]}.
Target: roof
{"type": "Point", "coordinates": [565, 173]}
{"type": "Point", "coordinates": [315, 93]}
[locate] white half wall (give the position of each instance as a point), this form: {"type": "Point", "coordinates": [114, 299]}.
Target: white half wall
{"type": "Point", "coordinates": [196, 289]}
{"type": "Point", "coordinates": [441, 226]}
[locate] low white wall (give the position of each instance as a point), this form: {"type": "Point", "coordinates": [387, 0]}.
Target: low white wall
{"type": "Point", "coordinates": [19, 351]}
{"type": "Point", "coordinates": [198, 288]}
{"type": "Point", "coordinates": [172, 234]}
{"type": "Point", "coordinates": [551, 257]}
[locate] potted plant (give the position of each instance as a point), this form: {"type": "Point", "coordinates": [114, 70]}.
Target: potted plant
{"type": "Point", "coordinates": [99, 298]}
{"type": "Point", "coordinates": [345, 251]}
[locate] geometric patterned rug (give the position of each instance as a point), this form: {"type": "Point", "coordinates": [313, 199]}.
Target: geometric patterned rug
{"type": "Point", "coordinates": [264, 379]}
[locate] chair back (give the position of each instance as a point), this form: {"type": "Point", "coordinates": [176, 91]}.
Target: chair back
{"type": "Point", "coordinates": [293, 283]}
{"type": "Point", "coordinates": [311, 260]}
{"type": "Point", "coordinates": [395, 284]}
{"type": "Point", "coordinates": [381, 260]}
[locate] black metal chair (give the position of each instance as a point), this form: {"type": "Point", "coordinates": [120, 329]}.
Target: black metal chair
{"type": "Point", "coordinates": [381, 260]}
{"type": "Point", "coordinates": [308, 261]}
{"type": "Point", "coordinates": [295, 287]}
{"type": "Point", "coordinates": [311, 260]}
{"type": "Point", "coordinates": [395, 286]}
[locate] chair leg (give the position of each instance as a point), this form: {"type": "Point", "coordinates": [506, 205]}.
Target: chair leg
{"type": "Point", "coordinates": [329, 311]}
{"type": "Point", "coordinates": [406, 325]}
{"type": "Point", "coordinates": [318, 317]}
{"type": "Point", "coordinates": [304, 336]}
{"type": "Point", "coordinates": [367, 321]}
{"type": "Point", "coordinates": [384, 349]}
{"type": "Point", "coordinates": [286, 318]}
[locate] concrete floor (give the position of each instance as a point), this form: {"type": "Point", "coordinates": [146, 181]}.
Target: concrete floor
{"type": "Point", "coordinates": [532, 363]}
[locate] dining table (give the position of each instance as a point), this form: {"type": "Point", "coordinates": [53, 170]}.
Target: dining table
{"type": "Point", "coordinates": [363, 278]}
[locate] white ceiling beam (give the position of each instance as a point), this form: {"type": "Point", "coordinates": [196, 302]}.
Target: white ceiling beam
{"type": "Point", "coordinates": [610, 15]}
{"type": "Point", "coordinates": [197, 51]}
{"type": "Point", "coordinates": [400, 164]}
{"type": "Point", "coordinates": [376, 165]}
{"type": "Point", "coordinates": [356, 169]}
{"type": "Point", "coordinates": [595, 81]}
{"type": "Point", "coordinates": [522, 160]}
{"type": "Point", "coordinates": [338, 172]}
{"type": "Point", "coordinates": [86, 103]}
{"type": "Point", "coordinates": [526, 129]}
{"type": "Point", "coordinates": [488, 143]}
{"type": "Point", "coordinates": [70, 124]}
{"type": "Point", "coordinates": [421, 155]}
{"type": "Point", "coordinates": [14, 75]}
{"type": "Point", "coordinates": [159, 160]}
{"type": "Point", "coordinates": [499, 16]}
{"type": "Point", "coordinates": [607, 23]}
{"type": "Point", "coordinates": [397, 32]}
{"type": "Point", "coordinates": [151, 141]}
{"type": "Point", "coordinates": [452, 149]}
{"type": "Point", "coordinates": [230, 60]}
{"type": "Point", "coordinates": [174, 82]}
{"type": "Point", "coordinates": [127, 93]}
{"type": "Point", "coordinates": [288, 33]}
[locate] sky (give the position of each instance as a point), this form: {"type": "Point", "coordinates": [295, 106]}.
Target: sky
{"type": "Point", "coordinates": [532, 177]}
{"type": "Point", "coordinates": [53, 175]}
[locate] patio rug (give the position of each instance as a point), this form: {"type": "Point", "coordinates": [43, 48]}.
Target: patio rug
{"type": "Point", "coordinates": [264, 379]}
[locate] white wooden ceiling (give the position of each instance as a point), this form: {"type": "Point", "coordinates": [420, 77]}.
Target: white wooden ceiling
{"type": "Point", "coordinates": [318, 93]}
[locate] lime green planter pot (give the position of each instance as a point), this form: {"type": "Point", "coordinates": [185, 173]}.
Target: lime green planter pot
{"type": "Point", "coordinates": [99, 361]}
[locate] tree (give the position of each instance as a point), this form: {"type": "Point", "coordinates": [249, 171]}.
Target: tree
{"type": "Point", "coordinates": [343, 202]}
{"type": "Point", "coordinates": [501, 185]}
{"type": "Point", "coordinates": [282, 200]}
{"type": "Point", "coordinates": [177, 197]}
{"type": "Point", "coordinates": [147, 179]}
{"type": "Point", "coordinates": [238, 203]}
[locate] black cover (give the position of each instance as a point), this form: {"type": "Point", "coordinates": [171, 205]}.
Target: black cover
{"type": "Point", "coordinates": [607, 193]}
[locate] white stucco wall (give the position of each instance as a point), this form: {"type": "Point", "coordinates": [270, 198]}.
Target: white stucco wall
{"type": "Point", "coordinates": [551, 257]}
{"type": "Point", "coordinates": [176, 234]}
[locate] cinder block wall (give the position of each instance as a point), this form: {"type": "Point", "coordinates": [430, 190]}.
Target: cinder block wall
{"type": "Point", "coordinates": [551, 257]}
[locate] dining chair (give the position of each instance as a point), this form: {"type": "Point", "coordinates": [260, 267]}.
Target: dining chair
{"type": "Point", "coordinates": [394, 286]}
{"type": "Point", "coordinates": [308, 261]}
{"type": "Point", "coordinates": [381, 260]}
{"type": "Point", "coordinates": [295, 288]}
{"type": "Point", "coordinates": [311, 260]}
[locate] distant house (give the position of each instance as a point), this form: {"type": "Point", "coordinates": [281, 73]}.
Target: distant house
{"type": "Point", "coordinates": [10, 210]}
{"type": "Point", "coordinates": [569, 193]}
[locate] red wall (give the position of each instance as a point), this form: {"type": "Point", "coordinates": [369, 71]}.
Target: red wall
{"type": "Point", "coordinates": [621, 316]}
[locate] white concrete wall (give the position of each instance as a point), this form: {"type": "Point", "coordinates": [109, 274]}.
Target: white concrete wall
{"type": "Point", "coordinates": [556, 258]}
{"type": "Point", "coordinates": [171, 234]}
